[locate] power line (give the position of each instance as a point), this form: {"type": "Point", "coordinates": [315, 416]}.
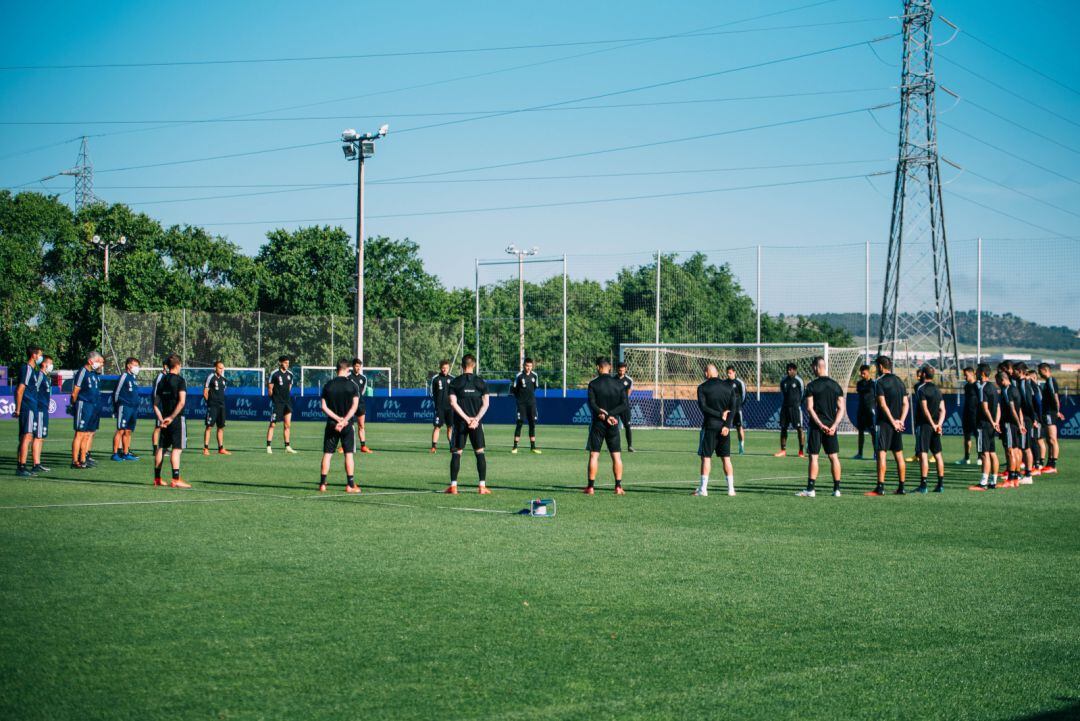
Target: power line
{"type": "Point", "coordinates": [1013, 93]}
{"type": "Point", "coordinates": [1007, 152]}
{"type": "Point", "coordinates": [1020, 192]}
{"type": "Point", "coordinates": [650, 196]}
{"type": "Point", "coordinates": [999, 211]}
{"type": "Point", "coordinates": [1021, 63]}
{"type": "Point", "coordinates": [392, 115]}
{"type": "Point", "coordinates": [218, 157]}
{"type": "Point", "coordinates": [1021, 126]}
{"type": "Point", "coordinates": [447, 51]}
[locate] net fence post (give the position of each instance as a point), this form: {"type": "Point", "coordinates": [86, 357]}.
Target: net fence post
{"type": "Point", "coordinates": [398, 351]}
{"type": "Point", "coordinates": [978, 305]}
{"type": "Point", "coordinates": [564, 338]}
{"type": "Point", "coordinates": [183, 336]}
{"type": "Point", "coordinates": [866, 307]}
{"type": "Point", "coordinates": [258, 338]}
{"type": "Point", "coordinates": [476, 295]}
{"type": "Point", "coordinates": [757, 303]}
{"type": "Point", "coordinates": [656, 350]}
{"type": "Point", "coordinates": [331, 361]}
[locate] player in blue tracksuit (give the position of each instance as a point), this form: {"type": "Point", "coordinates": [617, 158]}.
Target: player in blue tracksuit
{"type": "Point", "coordinates": [86, 405]}
{"type": "Point", "coordinates": [26, 406]}
{"type": "Point", "coordinates": [43, 391]}
{"type": "Point", "coordinates": [125, 399]}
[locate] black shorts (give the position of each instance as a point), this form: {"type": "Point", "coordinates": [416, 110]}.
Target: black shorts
{"type": "Point", "coordinates": [332, 436]}
{"type": "Point", "coordinates": [817, 441]}
{"type": "Point", "coordinates": [736, 422]}
{"type": "Point", "coordinates": [1050, 419]}
{"type": "Point", "coordinates": [174, 435]}
{"type": "Point", "coordinates": [970, 424]}
{"type": "Point", "coordinates": [864, 421]}
{"type": "Point", "coordinates": [926, 441]}
{"type": "Point", "coordinates": [1011, 437]}
{"type": "Point", "coordinates": [985, 438]}
{"type": "Point", "coordinates": [624, 417]}
{"type": "Point", "coordinates": [712, 441]}
{"type": "Point", "coordinates": [1034, 432]}
{"type": "Point", "coordinates": [443, 417]}
{"type": "Point", "coordinates": [790, 416]}
{"type": "Point", "coordinates": [281, 409]}
{"type": "Point", "coordinates": [215, 416]}
{"type": "Point", "coordinates": [887, 438]}
{"type": "Point", "coordinates": [526, 412]}
{"type": "Point", "coordinates": [603, 433]}
{"type": "Point", "coordinates": [461, 431]}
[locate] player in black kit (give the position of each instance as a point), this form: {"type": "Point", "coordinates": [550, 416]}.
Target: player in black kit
{"type": "Point", "coordinates": [170, 396]}
{"type": "Point", "coordinates": [740, 397]}
{"type": "Point", "coordinates": [791, 396]}
{"type": "Point", "coordinates": [929, 419]}
{"type": "Point", "coordinates": [825, 406]}
{"type": "Point", "coordinates": [989, 425]}
{"type": "Point", "coordinates": [892, 410]}
{"type": "Point", "coordinates": [361, 382]}
{"type": "Point", "coordinates": [443, 415]}
{"type": "Point", "coordinates": [624, 417]}
{"type": "Point", "coordinates": [607, 401]}
{"type": "Point", "coordinates": [718, 401]}
{"type": "Point", "coordinates": [340, 401]}
{"type": "Point", "coordinates": [469, 400]}
{"type": "Point", "coordinates": [280, 383]}
{"type": "Point", "coordinates": [214, 395]}
{"type": "Point", "coordinates": [867, 401]}
{"type": "Point", "coordinates": [969, 414]}
{"type": "Point", "coordinates": [524, 392]}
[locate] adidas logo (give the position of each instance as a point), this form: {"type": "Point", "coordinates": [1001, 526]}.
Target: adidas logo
{"type": "Point", "coordinates": [583, 415]}
{"type": "Point", "coordinates": [637, 416]}
{"type": "Point", "coordinates": [677, 418]}
{"type": "Point", "coordinates": [1071, 427]}
{"type": "Point", "coordinates": [953, 425]}
{"type": "Point", "coordinates": [774, 421]}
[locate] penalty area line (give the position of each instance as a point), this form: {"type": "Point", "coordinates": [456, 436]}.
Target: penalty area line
{"type": "Point", "coordinates": [120, 503]}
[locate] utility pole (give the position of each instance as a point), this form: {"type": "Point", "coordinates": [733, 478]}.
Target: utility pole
{"type": "Point", "coordinates": [521, 255]}
{"type": "Point", "coordinates": [918, 258]}
{"type": "Point", "coordinates": [359, 147]}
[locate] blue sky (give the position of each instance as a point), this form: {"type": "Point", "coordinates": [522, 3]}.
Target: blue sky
{"type": "Point", "coordinates": [322, 97]}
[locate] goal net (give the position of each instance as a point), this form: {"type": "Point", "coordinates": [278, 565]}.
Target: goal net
{"type": "Point", "coordinates": [666, 377]}
{"type": "Point", "coordinates": [313, 378]}
{"type": "Point", "coordinates": [252, 380]}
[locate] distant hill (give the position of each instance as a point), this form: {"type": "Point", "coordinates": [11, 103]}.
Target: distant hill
{"type": "Point", "coordinates": [997, 330]}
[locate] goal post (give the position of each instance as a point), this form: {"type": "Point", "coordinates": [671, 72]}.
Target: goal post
{"type": "Point", "coordinates": [195, 377]}
{"type": "Point", "coordinates": [666, 377]}
{"type": "Point", "coordinates": [312, 379]}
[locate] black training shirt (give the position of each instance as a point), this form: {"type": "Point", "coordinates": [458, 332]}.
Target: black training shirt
{"type": "Point", "coordinates": [826, 393]}
{"type": "Point", "coordinates": [215, 387]}
{"type": "Point", "coordinates": [440, 391]}
{"type": "Point", "coordinates": [791, 391]}
{"type": "Point", "coordinates": [606, 393]}
{"type": "Point", "coordinates": [469, 389]}
{"type": "Point", "coordinates": [988, 394]}
{"type": "Point", "coordinates": [714, 398]}
{"type": "Point", "coordinates": [1010, 400]}
{"type": "Point", "coordinates": [865, 389]}
{"type": "Point", "coordinates": [167, 393]}
{"type": "Point", "coordinates": [891, 388]}
{"type": "Point", "coordinates": [930, 393]}
{"type": "Point", "coordinates": [524, 388]}
{"type": "Point", "coordinates": [971, 399]}
{"type": "Point", "coordinates": [282, 383]}
{"type": "Point", "coordinates": [339, 393]}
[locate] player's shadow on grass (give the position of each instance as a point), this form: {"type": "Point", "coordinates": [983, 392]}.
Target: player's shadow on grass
{"type": "Point", "coordinates": [1068, 713]}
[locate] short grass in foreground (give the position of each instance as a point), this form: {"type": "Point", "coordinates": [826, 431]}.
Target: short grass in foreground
{"type": "Point", "coordinates": [253, 597]}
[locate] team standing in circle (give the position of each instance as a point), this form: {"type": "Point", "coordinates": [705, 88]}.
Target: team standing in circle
{"type": "Point", "coordinates": [1020, 406]}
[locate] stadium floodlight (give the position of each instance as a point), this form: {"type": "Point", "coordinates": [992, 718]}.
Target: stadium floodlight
{"type": "Point", "coordinates": [359, 147]}
{"type": "Point", "coordinates": [108, 246]}
{"type": "Point", "coordinates": [521, 254]}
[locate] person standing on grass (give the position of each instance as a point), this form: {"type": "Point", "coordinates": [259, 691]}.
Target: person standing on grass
{"type": "Point", "coordinates": [1052, 415]}
{"type": "Point", "coordinates": [214, 395]}
{"type": "Point", "coordinates": [524, 392]}
{"type": "Point", "coordinates": [718, 403]}
{"type": "Point", "coordinates": [41, 423]}
{"type": "Point", "coordinates": [988, 429]}
{"type": "Point", "coordinates": [892, 411]}
{"type": "Point", "coordinates": [281, 382]}
{"type": "Point", "coordinates": [126, 409]}
{"type": "Point", "coordinates": [26, 406]}
{"type": "Point", "coordinates": [469, 401]}
{"type": "Point", "coordinates": [825, 406]}
{"type": "Point", "coordinates": [740, 397]}
{"type": "Point", "coordinates": [86, 400]}
{"type": "Point", "coordinates": [624, 418]}
{"type": "Point", "coordinates": [156, 435]}
{"type": "Point", "coordinates": [607, 401]}
{"type": "Point", "coordinates": [340, 401]}
{"type": "Point", "coordinates": [169, 400]}
{"type": "Point", "coordinates": [1012, 427]}
{"type": "Point", "coordinates": [361, 382]}
{"type": "Point", "coordinates": [1031, 419]}
{"type": "Point", "coordinates": [864, 421]}
{"type": "Point", "coordinates": [969, 414]}
{"type": "Point", "coordinates": [791, 397]}
{"type": "Point", "coordinates": [1038, 448]}
{"type": "Point", "coordinates": [443, 414]}
{"type": "Point", "coordinates": [929, 419]}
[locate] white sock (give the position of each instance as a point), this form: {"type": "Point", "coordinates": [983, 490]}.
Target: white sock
{"type": "Point", "coordinates": [984, 479]}
{"type": "Point", "coordinates": [483, 483]}
{"type": "Point", "coordinates": [453, 484]}
{"type": "Point", "coordinates": [730, 483]}
{"type": "Point", "coordinates": [704, 483]}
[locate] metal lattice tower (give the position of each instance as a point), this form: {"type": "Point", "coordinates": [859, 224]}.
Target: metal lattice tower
{"type": "Point", "coordinates": [917, 306]}
{"type": "Point", "coordinates": [83, 172]}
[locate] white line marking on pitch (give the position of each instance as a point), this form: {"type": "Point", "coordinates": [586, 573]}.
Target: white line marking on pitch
{"type": "Point", "coordinates": [122, 503]}
{"type": "Point", "coordinates": [476, 510]}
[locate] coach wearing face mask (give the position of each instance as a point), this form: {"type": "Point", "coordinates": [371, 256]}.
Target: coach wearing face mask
{"type": "Point", "coordinates": [86, 400]}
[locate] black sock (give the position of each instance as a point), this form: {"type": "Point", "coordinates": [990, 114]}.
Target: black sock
{"type": "Point", "coordinates": [206, 446]}
{"type": "Point", "coordinates": [157, 471]}
{"type": "Point", "coordinates": [350, 480]}
{"type": "Point", "coordinates": [532, 443]}
{"type": "Point", "coordinates": [862, 438]}
{"type": "Point", "coordinates": [941, 480]}
{"type": "Point", "coordinates": [363, 444]}
{"type": "Point", "coordinates": [800, 441]}
{"type": "Point", "coordinates": [220, 447]}
{"type": "Point", "coordinates": [176, 474]}
{"type": "Point", "coordinates": [433, 444]}
{"type": "Point", "coordinates": [783, 440]}
{"type": "Point", "coordinates": [481, 466]}
{"type": "Point", "coordinates": [455, 465]}
{"type": "Point", "coordinates": [836, 485]}
{"type": "Point", "coordinates": [515, 443]}
{"type": "Point", "coordinates": [922, 481]}
{"type": "Point", "coordinates": [22, 467]}
{"type": "Point", "coordinates": [629, 437]}
{"type": "Point", "coordinates": [810, 484]}
{"type": "Point", "coordinates": [618, 483]}
{"type": "Point", "coordinates": [322, 479]}
{"type": "Point", "coordinates": [592, 483]}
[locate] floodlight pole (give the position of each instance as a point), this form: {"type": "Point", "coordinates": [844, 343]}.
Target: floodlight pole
{"type": "Point", "coordinates": [359, 147]}
{"type": "Point", "coordinates": [521, 254]}
{"type": "Point", "coordinates": [107, 246]}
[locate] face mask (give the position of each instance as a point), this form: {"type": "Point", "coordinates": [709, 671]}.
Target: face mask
{"type": "Point", "coordinates": [47, 368]}
{"type": "Point", "coordinates": [37, 360]}
{"type": "Point", "coordinates": [95, 365]}
{"type": "Point", "coordinates": [135, 370]}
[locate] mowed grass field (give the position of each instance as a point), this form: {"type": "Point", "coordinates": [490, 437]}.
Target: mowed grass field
{"type": "Point", "coordinates": [253, 597]}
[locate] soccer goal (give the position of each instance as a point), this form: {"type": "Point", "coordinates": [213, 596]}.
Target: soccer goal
{"type": "Point", "coordinates": [666, 377]}
{"type": "Point", "coordinates": [312, 379]}
{"type": "Point", "coordinates": [251, 379]}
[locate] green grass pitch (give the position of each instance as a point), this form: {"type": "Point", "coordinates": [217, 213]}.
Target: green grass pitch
{"type": "Point", "coordinates": [252, 597]}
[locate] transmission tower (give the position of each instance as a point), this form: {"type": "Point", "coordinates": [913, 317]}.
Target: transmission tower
{"type": "Point", "coordinates": [917, 306]}
{"type": "Point", "coordinates": [83, 172]}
